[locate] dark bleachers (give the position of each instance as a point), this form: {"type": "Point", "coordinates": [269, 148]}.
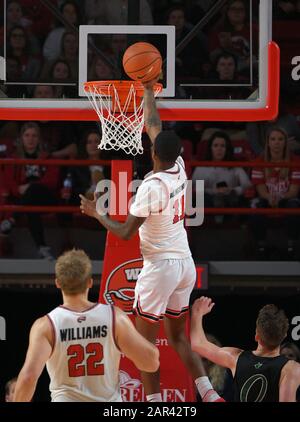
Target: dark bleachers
{"type": "Point", "coordinates": [287, 35]}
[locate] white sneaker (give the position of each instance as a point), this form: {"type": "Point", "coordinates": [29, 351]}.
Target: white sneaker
{"type": "Point", "coordinates": [45, 253]}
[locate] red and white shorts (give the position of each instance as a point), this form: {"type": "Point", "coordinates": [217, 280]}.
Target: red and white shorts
{"type": "Point", "coordinates": [163, 288]}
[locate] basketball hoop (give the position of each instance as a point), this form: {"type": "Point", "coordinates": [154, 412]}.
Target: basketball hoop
{"type": "Point", "coordinates": [119, 106]}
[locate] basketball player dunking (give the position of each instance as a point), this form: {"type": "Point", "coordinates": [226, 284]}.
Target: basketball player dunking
{"type": "Point", "coordinates": [261, 375]}
{"type": "Point", "coordinates": [165, 283]}
{"type": "Point", "coordinates": [81, 342]}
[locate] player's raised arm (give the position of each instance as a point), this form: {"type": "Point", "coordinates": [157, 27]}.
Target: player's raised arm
{"type": "Point", "coordinates": [143, 354]}
{"type": "Point", "coordinates": [123, 230]}
{"type": "Point", "coordinates": [152, 119]}
{"type": "Point", "coordinates": [289, 382]}
{"type": "Point", "coordinates": [223, 356]}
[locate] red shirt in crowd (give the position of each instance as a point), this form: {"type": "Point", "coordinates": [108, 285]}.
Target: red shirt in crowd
{"type": "Point", "coordinates": [276, 186]}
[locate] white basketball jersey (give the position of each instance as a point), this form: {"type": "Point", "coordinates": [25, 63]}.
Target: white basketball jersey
{"type": "Point", "coordinates": [84, 365]}
{"type": "Point", "coordinates": [161, 198]}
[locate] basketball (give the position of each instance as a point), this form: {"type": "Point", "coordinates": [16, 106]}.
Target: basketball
{"type": "Point", "coordinates": [142, 62]}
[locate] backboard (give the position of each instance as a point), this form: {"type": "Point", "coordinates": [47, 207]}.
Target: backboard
{"type": "Point", "coordinates": [211, 70]}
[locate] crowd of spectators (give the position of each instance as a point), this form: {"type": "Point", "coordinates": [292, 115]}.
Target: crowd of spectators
{"type": "Point", "coordinates": [47, 52]}
{"type": "Point", "coordinates": [42, 44]}
{"type": "Point", "coordinates": [45, 49]}
{"type": "Point", "coordinates": [257, 187]}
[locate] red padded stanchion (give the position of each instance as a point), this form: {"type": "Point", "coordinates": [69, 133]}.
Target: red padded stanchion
{"type": "Point", "coordinates": [122, 264]}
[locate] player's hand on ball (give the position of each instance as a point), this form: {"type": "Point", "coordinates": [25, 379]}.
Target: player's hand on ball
{"type": "Point", "coordinates": [150, 84]}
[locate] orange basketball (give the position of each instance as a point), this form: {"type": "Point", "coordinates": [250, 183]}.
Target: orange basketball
{"type": "Point", "coordinates": [142, 62]}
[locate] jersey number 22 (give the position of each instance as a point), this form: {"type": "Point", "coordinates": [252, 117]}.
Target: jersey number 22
{"type": "Point", "coordinates": [85, 360]}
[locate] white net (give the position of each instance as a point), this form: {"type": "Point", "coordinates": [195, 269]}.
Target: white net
{"type": "Point", "coordinates": [122, 120]}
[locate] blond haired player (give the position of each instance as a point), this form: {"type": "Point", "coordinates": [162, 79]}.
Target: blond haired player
{"type": "Point", "coordinates": [165, 283]}
{"type": "Point", "coordinates": [81, 342]}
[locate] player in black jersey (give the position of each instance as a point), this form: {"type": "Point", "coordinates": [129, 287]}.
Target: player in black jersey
{"type": "Point", "coordinates": [261, 375]}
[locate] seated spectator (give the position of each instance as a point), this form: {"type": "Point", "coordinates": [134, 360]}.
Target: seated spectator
{"type": "Point", "coordinates": [100, 70]}
{"type": "Point", "coordinates": [223, 186]}
{"type": "Point", "coordinates": [15, 17]}
{"type": "Point", "coordinates": [113, 48]}
{"type": "Point", "coordinates": [18, 46]}
{"type": "Point", "coordinates": [224, 73]}
{"type": "Point", "coordinates": [225, 70]}
{"type": "Point", "coordinates": [43, 91]}
{"type": "Point", "coordinates": [188, 62]}
{"type": "Point", "coordinates": [52, 45]}
{"type": "Point", "coordinates": [40, 16]}
{"type": "Point", "coordinates": [32, 185]}
{"type": "Point", "coordinates": [6, 151]}
{"type": "Point", "coordinates": [106, 62]}
{"type": "Point", "coordinates": [59, 138]}
{"type": "Point", "coordinates": [13, 74]}
{"type": "Point", "coordinates": [85, 179]}
{"type": "Point", "coordinates": [60, 73]}
{"type": "Point", "coordinates": [235, 130]}
{"type": "Point", "coordinates": [276, 188]}
{"type": "Point", "coordinates": [107, 12]}
{"type": "Point", "coordinates": [232, 35]}
{"type": "Point", "coordinates": [257, 131]}
{"type": "Point", "coordinates": [68, 53]}
{"type": "Point", "coordinates": [241, 148]}
{"type": "Point", "coordinates": [10, 389]}
{"type": "Point", "coordinates": [13, 69]}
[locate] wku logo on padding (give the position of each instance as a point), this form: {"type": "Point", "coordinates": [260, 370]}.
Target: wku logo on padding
{"type": "Point", "coordinates": [120, 284]}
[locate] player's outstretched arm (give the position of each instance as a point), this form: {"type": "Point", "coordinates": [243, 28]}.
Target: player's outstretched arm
{"type": "Point", "coordinates": [223, 356]}
{"type": "Point", "coordinates": [289, 382]}
{"type": "Point", "coordinates": [39, 351]}
{"type": "Point", "coordinates": [123, 230]}
{"type": "Point", "coordinates": [152, 119]}
{"type": "Point", "coordinates": [140, 351]}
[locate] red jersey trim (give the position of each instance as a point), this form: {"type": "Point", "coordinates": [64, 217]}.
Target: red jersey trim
{"type": "Point", "coordinates": [170, 313]}
{"type": "Point", "coordinates": [53, 334]}
{"type": "Point", "coordinates": [171, 172]}
{"type": "Point", "coordinates": [79, 312]}
{"type": "Point", "coordinates": [146, 315]}
{"type": "Point", "coordinates": [113, 313]}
